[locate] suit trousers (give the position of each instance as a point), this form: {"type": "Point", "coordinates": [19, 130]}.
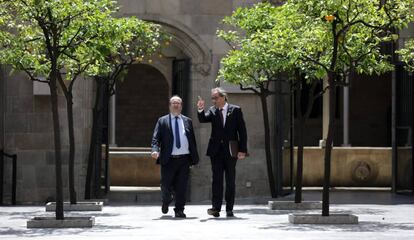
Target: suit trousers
{"type": "Point", "coordinates": [174, 180]}
{"type": "Point", "coordinates": [222, 164]}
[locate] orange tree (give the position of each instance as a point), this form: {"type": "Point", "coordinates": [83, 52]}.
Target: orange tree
{"type": "Point", "coordinates": [349, 37]}
{"type": "Point", "coordinates": [407, 55]}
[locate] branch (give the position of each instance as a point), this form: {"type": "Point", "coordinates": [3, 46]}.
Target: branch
{"type": "Point", "coordinates": [248, 88]}
{"type": "Point", "coordinates": [71, 57]}
{"type": "Point", "coordinates": [75, 76]}
{"type": "Point", "coordinates": [305, 58]}
{"type": "Point", "coordinates": [62, 84]}
{"type": "Point", "coordinates": [33, 78]}
{"type": "Point", "coordinates": [65, 47]}
{"type": "Point", "coordinates": [321, 93]}
{"type": "Point", "coordinates": [230, 45]}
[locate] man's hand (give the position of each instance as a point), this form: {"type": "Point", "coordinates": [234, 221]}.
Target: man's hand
{"type": "Point", "coordinates": [200, 103]}
{"type": "Point", "coordinates": [155, 155]}
{"type": "Point", "coordinates": [241, 155]}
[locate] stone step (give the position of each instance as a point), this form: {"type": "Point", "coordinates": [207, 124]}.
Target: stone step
{"type": "Point", "coordinates": [133, 167]}
{"type": "Point", "coordinates": [136, 195]}
{"type": "Point", "coordinates": [130, 149]}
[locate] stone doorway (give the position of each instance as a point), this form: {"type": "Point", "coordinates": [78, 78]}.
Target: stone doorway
{"type": "Point", "coordinates": [140, 100]}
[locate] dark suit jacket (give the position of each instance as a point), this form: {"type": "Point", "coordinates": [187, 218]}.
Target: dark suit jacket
{"type": "Point", "coordinates": [163, 139]}
{"type": "Point", "coordinates": [234, 129]}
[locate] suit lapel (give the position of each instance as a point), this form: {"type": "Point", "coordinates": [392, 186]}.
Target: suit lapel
{"type": "Point", "coordinates": [170, 126]}
{"type": "Point", "coordinates": [228, 115]}
{"type": "Point", "coordinates": [185, 122]}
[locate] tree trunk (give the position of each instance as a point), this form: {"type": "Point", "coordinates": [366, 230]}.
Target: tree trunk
{"type": "Point", "coordinates": [94, 136]}
{"type": "Point", "coordinates": [270, 175]}
{"type": "Point", "coordinates": [302, 118]}
{"type": "Point", "coordinates": [69, 109]}
{"type": "Point", "coordinates": [57, 143]}
{"type": "Point", "coordinates": [299, 168]}
{"type": "Point", "coordinates": [91, 155]}
{"type": "Point", "coordinates": [328, 147]}
{"type": "Point", "coordinates": [98, 150]}
{"type": "Point", "coordinates": [329, 140]}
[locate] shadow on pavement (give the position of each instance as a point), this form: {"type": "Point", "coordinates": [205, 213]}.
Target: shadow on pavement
{"type": "Point", "coordinates": [223, 219]}
{"type": "Point", "coordinates": [62, 231]}
{"type": "Point", "coordinates": [174, 218]}
{"type": "Point", "coordinates": [361, 227]}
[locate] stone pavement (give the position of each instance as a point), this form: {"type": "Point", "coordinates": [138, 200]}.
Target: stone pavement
{"type": "Point", "coordinates": [386, 217]}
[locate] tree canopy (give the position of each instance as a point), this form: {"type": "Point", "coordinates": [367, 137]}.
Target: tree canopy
{"type": "Point", "coordinates": [266, 40]}
{"type": "Point", "coordinates": [407, 55]}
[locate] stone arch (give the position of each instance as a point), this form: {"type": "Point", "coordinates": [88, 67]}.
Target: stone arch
{"type": "Point", "coordinates": [184, 38]}
{"type": "Point", "coordinates": [191, 45]}
{"type": "Point", "coordinates": [136, 118]}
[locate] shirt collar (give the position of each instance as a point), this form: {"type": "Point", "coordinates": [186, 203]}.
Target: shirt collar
{"type": "Point", "coordinates": [226, 106]}
{"type": "Point", "coordinates": [173, 116]}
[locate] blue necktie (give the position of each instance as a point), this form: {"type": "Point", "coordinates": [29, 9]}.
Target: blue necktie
{"type": "Point", "coordinates": [177, 134]}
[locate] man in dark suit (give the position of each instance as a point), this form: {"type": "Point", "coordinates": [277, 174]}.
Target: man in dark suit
{"type": "Point", "coordinates": [174, 147]}
{"type": "Point", "coordinates": [228, 129]}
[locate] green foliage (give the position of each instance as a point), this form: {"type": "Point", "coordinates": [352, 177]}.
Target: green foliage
{"type": "Point", "coordinates": [407, 55]}
{"type": "Point", "coordinates": [128, 40]}
{"type": "Point", "coordinates": [356, 32]}
{"type": "Point", "coordinates": [81, 36]}
{"type": "Point", "coordinates": [260, 45]}
{"type": "Point", "coordinates": [36, 33]}
{"type": "Point", "coordinates": [312, 36]}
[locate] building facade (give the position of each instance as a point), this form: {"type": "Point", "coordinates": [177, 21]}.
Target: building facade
{"type": "Point", "coordinates": [188, 66]}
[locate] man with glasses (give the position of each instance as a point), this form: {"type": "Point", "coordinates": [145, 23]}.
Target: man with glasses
{"type": "Point", "coordinates": [174, 147]}
{"type": "Point", "coordinates": [227, 144]}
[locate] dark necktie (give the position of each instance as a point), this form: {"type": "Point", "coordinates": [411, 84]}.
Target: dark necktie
{"type": "Point", "coordinates": [177, 134]}
{"type": "Point", "coordinates": [221, 117]}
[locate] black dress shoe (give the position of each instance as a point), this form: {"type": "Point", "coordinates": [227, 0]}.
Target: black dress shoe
{"type": "Point", "coordinates": [213, 212]}
{"type": "Point", "coordinates": [180, 214]}
{"type": "Point", "coordinates": [229, 214]}
{"type": "Point", "coordinates": [164, 207]}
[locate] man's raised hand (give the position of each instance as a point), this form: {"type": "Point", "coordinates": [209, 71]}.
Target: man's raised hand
{"type": "Point", "coordinates": [200, 103]}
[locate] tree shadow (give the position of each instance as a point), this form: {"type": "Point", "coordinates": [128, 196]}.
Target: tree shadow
{"type": "Point", "coordinates": [266, 211]}
{"type": "Point", "coordinates": [171, 218]}
{"type": "Point", "coordinates": [223, 219]}
{"type": "Point", "coordinates": [361, 211]}
{"type": "Point", "coordinates": [29, 215]}
{"type": "Point", "coordinates": [39, 232]}
{"type": "Point", "coordinates": [361, 227]}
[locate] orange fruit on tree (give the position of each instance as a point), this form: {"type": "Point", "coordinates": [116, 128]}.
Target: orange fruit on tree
{"type": "Point", "coordinates": [329, 18]}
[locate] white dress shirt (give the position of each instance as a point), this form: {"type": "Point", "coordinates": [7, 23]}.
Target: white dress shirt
{"type": "Point", "coordinates": [184, 149]}
{"type": "Point", "coordinates": [224, 112]}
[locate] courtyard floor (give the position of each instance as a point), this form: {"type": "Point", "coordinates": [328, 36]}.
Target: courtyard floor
{"type": "Point", "coordinates": [381, 216]}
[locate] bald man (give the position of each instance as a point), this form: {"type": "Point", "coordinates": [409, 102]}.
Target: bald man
{"type": "Point", "coordinates": [174, 147]}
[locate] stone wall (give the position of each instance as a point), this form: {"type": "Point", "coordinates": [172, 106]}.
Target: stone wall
{"type": "Point", "coordinates": [29, 134]}
{"type": "Point", "coordinates": [350, 167]}
{"type": "Point", "coordinates": [194, 23]}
